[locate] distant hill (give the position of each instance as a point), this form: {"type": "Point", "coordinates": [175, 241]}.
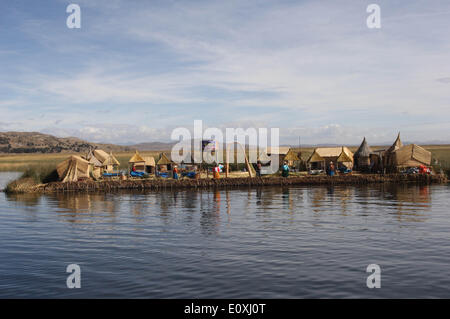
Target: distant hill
{"type": "Point", "coordinates": [34, 142]}
{"type": "Point", "coordinates": [152, 146]}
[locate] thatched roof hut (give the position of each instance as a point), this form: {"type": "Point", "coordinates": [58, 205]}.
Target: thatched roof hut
{"type": "Point", "coordinates": [411, 156]}
{"type": "Point", "coordinates": [388, 156]}
{"type": "Point", "coordinates": [149, 161]}
{"type": "Point", "coordinates": [164, 160]}
{"type": "Point", "coordinates": [362, 155]}
{"type": "Point", "coordinates": [322, 156]}
{"type": "Point", "coordinates": [72, 169]}
{"type": "Point", "coordinates": [111, 160]}
{"type": "Point", "coordinates": [364, 150]}
{"type": "Point", "coordinates": [136, 158]}
{"type": "Point", "coordinates": [397, 144]}
{"type": "Point", "coordinates": [101, 155]}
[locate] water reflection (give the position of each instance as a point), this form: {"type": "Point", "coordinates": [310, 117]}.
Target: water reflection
{"type": "Point", "coordinates": [406, 202]}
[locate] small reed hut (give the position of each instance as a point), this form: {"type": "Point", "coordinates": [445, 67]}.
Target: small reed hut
{"type": "Point", "coordinates": [322, 156]}
{"type": "Point", "coordinates": [292, 158]}
{"type": "Point", "coordinates": [282, 152]}
{"type": "Point", "coordinates": [95, 165]}
{"type": "Point", "coordinates": [111, 164]}
{"type": "Point", "coordinates": [150, 164]}
{"type": "Point", "coordinates": [411, 155]}
{"type": "Point", "coordinates": [73, 169]}
{"type": "Point", "coordinates": [137, 161]}
{"type": "Point", "coordinates": [388, 155]}
{"type": "Point", "coordinates": [361, 157]}
{"type": "Point", "coordinates": [164, 163]}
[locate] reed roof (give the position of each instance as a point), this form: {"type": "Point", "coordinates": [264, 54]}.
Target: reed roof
{"type": "Point", "coordinates": [412, 155]}
{"type": "Point", "coordinates": [364, 150]}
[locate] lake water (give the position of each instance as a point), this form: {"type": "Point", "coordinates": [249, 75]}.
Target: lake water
{"type": "Point", "coordinates": [269, 242]}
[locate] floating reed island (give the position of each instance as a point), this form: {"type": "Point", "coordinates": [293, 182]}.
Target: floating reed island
{"type": "Point", "coordinates": [162, 184]}
{"type": "Point", "coordinates": [99, 171]}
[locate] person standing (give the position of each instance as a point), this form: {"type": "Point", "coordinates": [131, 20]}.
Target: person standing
{"type": "Point", "coordinates": [175, 172]}
{"type": "Point", "coordinates": [285, 170]}
{"type": "Point", "coordinates": [216, 172]}
{"type": "Point", "coordinates": [332, 169]}
{"type": "Point", "coordinates": [258, 168]}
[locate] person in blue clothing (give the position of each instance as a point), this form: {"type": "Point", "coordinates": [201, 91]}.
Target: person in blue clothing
{"type": "Point", "coordinates": [332, 169]}
{"type": "Point", "coordinates": [285, 170]}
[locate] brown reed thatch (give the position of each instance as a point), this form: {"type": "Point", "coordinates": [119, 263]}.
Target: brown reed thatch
{"type": "Point", "coordinates": [111, 160]}
{"type": "Point", "coordinates": [149, 161]}
{"type": "Point", "coordinates": [136, 158]}
{"type": "Point", "coordinates": [364, 150]}
{"type": "Point", "coordinates": [291, 156]}
{"type": "Point", "coordinates": [164, 160]}
{"type": "Point", "coordinates": [397, 144]}
{"type": "Point", "coordinates": [411, 156]}
{"type": "Point", "coordinates": [101, 155]}
{"type": "Point", "coordinates": [72, 169]}
{"type": "Point", "coordinates": [320, 154]}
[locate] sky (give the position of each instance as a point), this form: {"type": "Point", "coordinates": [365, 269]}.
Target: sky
{"type": "Point", "coordinates": [136, 70]}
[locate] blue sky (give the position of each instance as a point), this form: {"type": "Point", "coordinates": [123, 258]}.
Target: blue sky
{"type": "Point", "coordinates": [137, 69]}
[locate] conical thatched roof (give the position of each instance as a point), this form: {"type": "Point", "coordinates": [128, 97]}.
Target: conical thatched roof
{"type": "Point", "coordinates": [363, 150]}
{"type": "Point", "coordinates": [136, 158]}
{"type": "Point", "coordinates": [397, 144]}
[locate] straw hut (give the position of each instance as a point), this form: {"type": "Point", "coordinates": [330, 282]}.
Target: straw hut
{"type": "Point", "coordinates": [322, 156]}
{"type": "Point", "coordinates": [292, 158]}
{"type": "Point", "coordinates": [137, 161]}
{"type": "Point", "coordinates": [73, 169]}
{"type": "Point", "coordinates": [111, 164]}
{"type": "Point", "coordinates": [150, 164]}
{"type": "Point", "coordinates": [411, 156]}
{"type": "Point", "coordinates": [362, 156]}
{"type": "Point", "coordinates": [101, 155]}
{"type": "Point", "coordinates": [388, 156]}
{"type": "Point", "coordinates": [95, 164]}
{"type": "Point", "coordinates": [282, 152]}
{"type": "Point", "coordinates": [164, 163]}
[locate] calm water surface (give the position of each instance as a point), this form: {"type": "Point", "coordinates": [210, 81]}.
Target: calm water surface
{"type": "Point", "coordinates": [240, 243]}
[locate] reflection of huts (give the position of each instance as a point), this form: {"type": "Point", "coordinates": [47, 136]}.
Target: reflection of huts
{"type": "Point", "coordinates": [73, 169]}
{"type": "Point", "coordinates": [322, 156]}
{"type": "Point", "coordinates": [411, 155]}
{"type": "Point", "coordinates": [164, 163]}
{"type": "Point", "coordinates": [362, 156]}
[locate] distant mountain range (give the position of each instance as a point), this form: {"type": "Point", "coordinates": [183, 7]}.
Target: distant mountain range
{"type": "Point", "coordinates": [35, 142]}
